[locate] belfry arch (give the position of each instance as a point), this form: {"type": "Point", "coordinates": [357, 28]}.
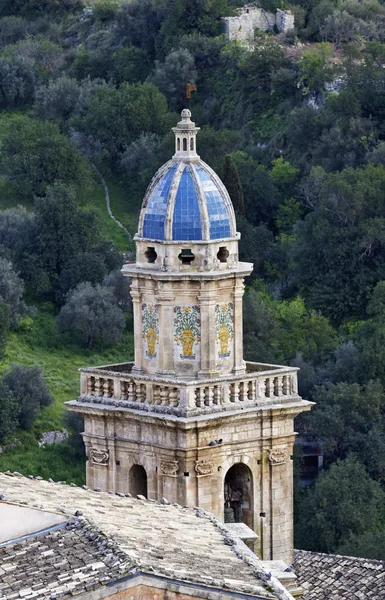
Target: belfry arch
{"type": "Point", "coordinates": [238, 495]}
{"type": "Point", "coordinates": [137, 481]}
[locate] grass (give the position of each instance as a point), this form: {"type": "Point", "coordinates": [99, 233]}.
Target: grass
{"type": "Point", "coordinates": [38, 343]}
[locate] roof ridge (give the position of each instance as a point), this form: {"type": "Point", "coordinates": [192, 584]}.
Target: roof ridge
{"type": "Point", "coordinates": [269, 582]}
{"type": "Point", "coordinates": [343, 556]}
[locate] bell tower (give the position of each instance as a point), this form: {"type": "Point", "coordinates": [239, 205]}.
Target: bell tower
{"type": "Point", "coordinates": [189, 420]}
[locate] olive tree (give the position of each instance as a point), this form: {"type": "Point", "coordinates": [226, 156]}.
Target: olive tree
{"type": "Point", "coordinates": [92, 314]}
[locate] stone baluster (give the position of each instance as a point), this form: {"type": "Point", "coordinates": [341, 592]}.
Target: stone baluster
{"type": "Point", "coordinates": [131, 392]}
{"type": "Point", "coordinates": [140, 393]}
{"type": "Point", "coordinates": [285, 385]}
{"type": "Point", "coordinates": [269, 390]}
{"type": "Point", "coordinates": [225, 393]}
{"type": "Point", "coordinates": [234, 392]}
{"type": "Point", "coordinates": [294, 383]}
{"type": "Point", "coordinates": [199, 397]}
{"type": "Point", "coordinates": [217, 395]}
{"type": "Point", "coordinates": [243, 391]}
{"type": "Point", "coordinates": [98, 386]}
{"type": "Point", "coordinates": [124, 390]}
{"type": "Point", "coordinates": [174, 397]}
{"type": "Point", "coordinates": [156, 395]}
{"type": "Point", "coordinates": [90, 386]}
{"type": "Point", "coordinates": [278, 384]}
{"type": "Point", "coordinates": [107, 384]}
{"type": "Point", "coordinates": [252, 392]}
{"type": "Point", "coordinates": [209, 395]}
{"type": "Point", "coordinates": [164, 396]}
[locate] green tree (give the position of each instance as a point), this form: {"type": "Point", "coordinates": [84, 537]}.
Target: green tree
{"type": "Point", "coordinates": [17, 81]}
{"type": "Point", "coordinates": [131, 65]}
{"type": "Point", "coordinates": [171, 76]}
{"type": "Point", "coordinates": [11, 290]}
{"type": "Point", "coordinates": [34, 154]}
{"type": "Point", "coordinates": [339, 247]}
{"type": "Point", "coordinates": [233, 185]}
{"type": "Point", "coordinates": [92, 314]}
{"type": "Point", "coordinates": [30, 391]}
{"type": "Point", "coordinates": [117, 117]}
{"type": "Point", "coordinates": [8, 411]}
{"type": "Point", "coordinates": [348, 419]}
{"type": "Point", "coordinates": [5, 324]}
{"type": "Point", "coordinates": [343, 502]}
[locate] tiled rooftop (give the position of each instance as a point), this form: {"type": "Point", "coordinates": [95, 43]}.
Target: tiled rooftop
{"type": "Point", "coordinates": [110, 535]}
{"type": "Point", "coordinates": [334, 577]}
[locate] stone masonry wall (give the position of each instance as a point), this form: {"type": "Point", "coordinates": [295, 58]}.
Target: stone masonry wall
{"type": "Point", "coordinates": [182, 466]}
{"type": "Point", "coordinates": [242, 27]}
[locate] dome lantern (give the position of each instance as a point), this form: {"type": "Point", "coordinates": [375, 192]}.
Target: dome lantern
{"type": "Point", "coordinates": [185, 138]}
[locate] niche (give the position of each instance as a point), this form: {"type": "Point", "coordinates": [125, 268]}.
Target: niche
{"type": "Point", "coordinates": [192, 144]}
{"type": "Point", "coordinates": [178, 144]}
{"type": "Point", "coordinates": [186, 256]}
{"type": "Point", "coordinates": [151, 255]}
{"type": "Point", "coordinates": [185, 144]}
{"type": "Point", "coordinates": [223, 254]}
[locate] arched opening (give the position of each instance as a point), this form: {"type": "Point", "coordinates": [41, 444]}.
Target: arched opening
{"type": "Point", "coordinates": [192, 144]}
{"type": "Point", "coordinates": [185, 144]}
{"type": "Point", "coordinates": [137, 481]}
{"type": "Point", "coordinates": [178, 144]}
{"type": "Point", "coordinates": [239, 503]}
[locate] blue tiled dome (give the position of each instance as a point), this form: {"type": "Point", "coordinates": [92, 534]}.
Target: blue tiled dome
{"type": "Point", "coordinates": [186, 201]}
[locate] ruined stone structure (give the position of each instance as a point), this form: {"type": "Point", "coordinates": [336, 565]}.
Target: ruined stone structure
{"type": "Point", "coordinates": [242, 27]}
{"type": "Point", "coordinates": [189, 420]}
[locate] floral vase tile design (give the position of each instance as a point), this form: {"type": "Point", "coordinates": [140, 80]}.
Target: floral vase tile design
{"type": "Point", "coordinates": [187, 331]}
{"type": "Point", "coordinates": [150, 329]}
{"type": "Point", "coordinates": [224, 328]}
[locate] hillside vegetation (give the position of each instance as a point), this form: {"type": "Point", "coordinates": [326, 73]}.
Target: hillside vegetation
{"type": "Point", "coordinates": [295, 127]}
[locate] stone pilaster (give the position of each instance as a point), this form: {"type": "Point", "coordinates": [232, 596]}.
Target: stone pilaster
{"type": "Point", "coordinates": [137, 314]}
{"type": "Point", "coordinates": [239, 363]}
{"type": "Point", "coordinates": [207, 299]}
{"type": "Point", "coordinates": [165, 301]}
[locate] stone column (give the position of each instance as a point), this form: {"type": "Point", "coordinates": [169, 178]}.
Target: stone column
{"type": "Point", "coordinates": [137, 313]}
{"type": "Point", "coordinates": [239, 363]}
{"type": "Point", "coordinates": [165, 301]}
{"type": "Point", "coordinates": [207, 300]}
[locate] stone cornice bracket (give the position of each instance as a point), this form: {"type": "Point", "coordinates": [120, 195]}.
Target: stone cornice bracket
{"type": "Point", "coordinates": [203, 468]}
{"type": "Point", "coordinates": [99, 457]}
{"type": "Point", "coordinates": [169, 467]}
{"type": "Point", "coordinates": [277, 456]}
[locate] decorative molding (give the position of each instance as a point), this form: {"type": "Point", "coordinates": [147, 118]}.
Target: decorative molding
{"type": "Point", "coordinates": [204, 467]}
{"type": "Point", "coordinates": [169, 467]}
{"type": "Point", "coordinates": [100, 457]}
{"type": "Point", "coordinates": [278, 456]}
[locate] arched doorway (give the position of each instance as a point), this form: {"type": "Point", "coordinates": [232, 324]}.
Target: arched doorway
{"type": "Point", "coordinates": [137, 481]}
{"type": "Point", "coordinates": [239, 495]}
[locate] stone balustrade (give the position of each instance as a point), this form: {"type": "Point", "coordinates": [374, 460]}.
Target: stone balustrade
{"type": "Point", "coordinates": [116, 386]}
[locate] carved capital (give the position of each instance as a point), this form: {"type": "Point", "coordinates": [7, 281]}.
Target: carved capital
{"type": "Point", "coordinates": [99, 457]}
{"type": "Point", "coordinates": [204, 467]}
{"type": "Point", "coordinates": [278, 456]}
{"type": "Point", "coordinates": [169, 467]}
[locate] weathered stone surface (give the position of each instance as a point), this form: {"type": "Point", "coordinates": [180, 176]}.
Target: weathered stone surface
{"type": "Point", "coordinates": [128, 534]}
{"type": "Point", "coordinates": [53, 437]}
